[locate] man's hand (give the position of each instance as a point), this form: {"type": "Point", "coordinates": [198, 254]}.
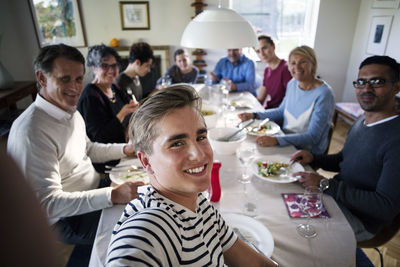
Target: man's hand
{"type": "Point", "coordinates": [213, 77]}
{"type": "Point", "coordinates": [267, 140]}
{"type": "Point", "coordinates": [246, 116]}
{"type": "Point", "coordinates": [302, 157]}
{"type": "Point", "coordinates": [308, 178]}
{"type": "Point", "coordinates": [233, 86]}
{"type": "Point", "coordinates": [129, 150]}
{"type": "Point", "coordinates": [125, 192]}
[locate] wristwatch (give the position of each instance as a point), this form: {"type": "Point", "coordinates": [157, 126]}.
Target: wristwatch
{"type": "Point", "coordinates": [324, 184]}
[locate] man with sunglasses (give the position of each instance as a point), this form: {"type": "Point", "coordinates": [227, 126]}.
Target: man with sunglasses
{"type": "Point", "coordinates": [367, 184]}
{"type": "Point", "coordinates": [49, 143]}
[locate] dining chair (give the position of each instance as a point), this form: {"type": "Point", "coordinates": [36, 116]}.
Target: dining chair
{"type": "Point", "coordinates": [382, 237]}
{"type": "Point", "coordinates": [330, 133]}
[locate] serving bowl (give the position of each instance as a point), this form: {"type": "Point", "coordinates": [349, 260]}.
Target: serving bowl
{"type": "Point", "coordinates": [225, 147]}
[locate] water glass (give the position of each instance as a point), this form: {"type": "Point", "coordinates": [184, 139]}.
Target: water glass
{"type": "Point", "coordinates": [245, 154]}
{"type": "Point", "coordinates": [225, 86]}
{"type": "Point", "coordinates": [310, 204]}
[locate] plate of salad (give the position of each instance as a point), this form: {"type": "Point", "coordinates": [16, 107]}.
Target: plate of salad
{"type": "Point", "coordinates": [128, 171]}
{"type": "Point", "coordinates": [275, 170]}
{"type": "Point", "coordinates": [269, 128]}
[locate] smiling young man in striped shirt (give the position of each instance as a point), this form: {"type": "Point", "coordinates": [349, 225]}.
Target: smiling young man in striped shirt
{"type": "Point", "coordinates": [172, 223]}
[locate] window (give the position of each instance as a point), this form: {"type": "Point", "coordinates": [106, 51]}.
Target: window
{"type": "Point", "coordinates": [290, 22]}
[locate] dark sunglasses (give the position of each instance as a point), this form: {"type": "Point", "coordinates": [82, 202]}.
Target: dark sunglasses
{"type": "Point", "coordinates": [373, 83]}
{"type": "Point", "coordinates": [106, 66]}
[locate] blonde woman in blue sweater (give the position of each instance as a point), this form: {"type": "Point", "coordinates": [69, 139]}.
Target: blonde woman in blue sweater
{"type": "Point", "coordinates": [306, 110]}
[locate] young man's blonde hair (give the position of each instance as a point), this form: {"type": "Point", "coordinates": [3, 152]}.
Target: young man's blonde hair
{"type": "Point", "coordinates": [142, 130]}
{"type": "Point", "coordinates": [308, 52]}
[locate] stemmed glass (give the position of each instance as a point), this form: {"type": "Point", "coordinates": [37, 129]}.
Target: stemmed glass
{"type": "Point", "coordinates": [166, 81]}
{"type": "Point", "coordinates": [311, 204]}
{"type": "Point", "coordinates": [245, 154]}
{"type": "Point", "coordinates": [225, 86]}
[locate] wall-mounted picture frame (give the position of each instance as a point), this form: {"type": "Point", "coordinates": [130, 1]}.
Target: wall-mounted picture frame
{"type": "Point", "coordinates": [379, 34]}
{"type": "Point", "coordinates": [385, 3]}
{"type": "Point", "coordinates": [135, 15]}
{"type": "Point", "coordinates": [58, 22]}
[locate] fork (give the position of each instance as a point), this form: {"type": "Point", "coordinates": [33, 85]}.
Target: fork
{"type": "Point", "coordinates": [130, 92]}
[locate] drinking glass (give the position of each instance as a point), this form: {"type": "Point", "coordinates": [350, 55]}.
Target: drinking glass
{"type": "Point", "coordinates": [225, 86]}
{"type": "Point", "coordinates": [310, 204]}
{"type": "Point", "coordinates": [245, 154]}
{"type": "Point", "coordinates": [166, 81]}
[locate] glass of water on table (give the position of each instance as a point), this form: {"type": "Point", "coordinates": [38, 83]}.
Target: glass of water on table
{"type": "Point", "coordinates": [245, 154]}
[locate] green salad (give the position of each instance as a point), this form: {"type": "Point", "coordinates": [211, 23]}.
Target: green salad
{"type": "Point", "coordinates": [270, 169]}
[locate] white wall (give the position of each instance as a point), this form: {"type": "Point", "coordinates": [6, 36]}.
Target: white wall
{"type": "Point", "coordinates": [334, 39]}
{"type": "Point", "coordinates": [101, 19]}
{"type": "Point", "coordinates": [340, 44]}
{"type": "Point", "coordinates": [19, 43]}
{"type": "Point", "coordinates": [358, 52]}
{"type": "Point", "coordinates": [337, 22]}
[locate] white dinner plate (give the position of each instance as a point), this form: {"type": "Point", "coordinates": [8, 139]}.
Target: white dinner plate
{"type": "Point", "coordinates": [273, 128]}
{"type": "Point", "coordinates": [122, 174]}
{"type": "Point", "coordinates": [252, 230]}
{"type": "Point", "coordinates": [280, 178]}
{"type": "Point", "coordinates": [241, 104]}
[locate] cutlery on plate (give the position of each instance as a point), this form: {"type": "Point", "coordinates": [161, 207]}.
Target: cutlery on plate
{"type": "Point", "coordinates": [129, 170]}
{"type": "Point", "coordinates": [229, 137]}
{"type": "Point", "coordinates": [241, 236]}
{"type": "Point", "coordinates": [124, 167]}
{"type": "Point", "coordinates": [262, 123]}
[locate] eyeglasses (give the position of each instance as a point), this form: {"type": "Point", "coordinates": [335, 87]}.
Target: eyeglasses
{"type": "Point", "coordinates": [106, 66]}
{"type": "Point", "coordinates": [373, 83]}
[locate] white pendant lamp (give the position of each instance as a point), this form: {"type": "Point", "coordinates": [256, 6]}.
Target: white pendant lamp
{"type": "Point", "coordinates": [218, 28]}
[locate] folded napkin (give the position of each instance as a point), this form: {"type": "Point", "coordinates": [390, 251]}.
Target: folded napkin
{"type": "Point", "coordinates": [292, 201]}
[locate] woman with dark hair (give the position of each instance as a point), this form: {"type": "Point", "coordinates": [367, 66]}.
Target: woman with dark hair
{"type": "Point", "coordinates": [276, 74]}
{"type": "Point", "coordinates": [182, 71]}
{"type": "Point", "coordinates": [105, 108]}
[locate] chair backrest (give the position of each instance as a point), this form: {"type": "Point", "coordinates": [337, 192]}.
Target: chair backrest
{"type": "Point", "coordinates": [383, 236]}
{"type": "Point", "coordinates": [330, 133]}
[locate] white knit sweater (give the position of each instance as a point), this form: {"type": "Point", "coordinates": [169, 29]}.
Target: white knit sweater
{"type": "Point", "coordinates": [55, 155]}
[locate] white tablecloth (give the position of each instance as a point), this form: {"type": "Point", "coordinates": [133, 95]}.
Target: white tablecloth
{"type": "Point", "coordinates": [335, 244]}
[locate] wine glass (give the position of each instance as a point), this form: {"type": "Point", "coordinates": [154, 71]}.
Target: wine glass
{"type": "Point", "coordinates": [245, 154]}
{"type": "Point", "coordinates": [225, 86]}
{"type": "Point", "coordinates": [311, 204]}
{"type": "Point", "coordinates": [166, 81]}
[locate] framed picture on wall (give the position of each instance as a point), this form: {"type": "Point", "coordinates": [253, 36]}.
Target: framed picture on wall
{"type": "Point", "coordinates": [58, 22]}
{"type": "Point", "coordinates": [385, 3]}
{"type": "Point", "coordinates": [379, 34]}
{"type": "Point", "coordinates": [135, 15]}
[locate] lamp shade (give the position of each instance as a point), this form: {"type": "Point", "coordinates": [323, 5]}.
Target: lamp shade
{"type": "Point", "coordinates": [218, 28]}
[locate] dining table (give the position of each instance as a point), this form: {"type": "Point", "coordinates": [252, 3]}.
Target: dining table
{"type": "Point", "coordinates": [335, 243]}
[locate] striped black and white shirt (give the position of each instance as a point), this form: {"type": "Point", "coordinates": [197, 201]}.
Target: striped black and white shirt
{"type": "Point", "coordinates": [155, 231]}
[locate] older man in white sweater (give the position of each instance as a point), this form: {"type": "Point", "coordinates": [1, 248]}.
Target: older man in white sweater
{"type": "Point", "coordinates": [49, 143]}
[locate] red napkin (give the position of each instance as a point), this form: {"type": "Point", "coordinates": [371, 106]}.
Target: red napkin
{"type": "Point", "coordinates": [292, 201]}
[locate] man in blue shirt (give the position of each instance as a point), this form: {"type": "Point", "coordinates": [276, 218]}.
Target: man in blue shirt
{"type": "Point", "coordinates": [238, 69]}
